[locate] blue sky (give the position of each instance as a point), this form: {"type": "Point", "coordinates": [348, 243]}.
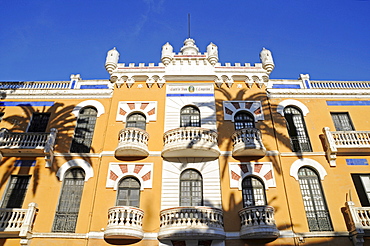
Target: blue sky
{"type": "Point", "coordinates": [50, 40]}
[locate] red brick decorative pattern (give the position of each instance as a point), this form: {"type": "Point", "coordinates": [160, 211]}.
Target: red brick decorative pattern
{"type": "Point", "coordinates": [122, 112]}
{"type": "Point", "coordinates": [236, 105]}
{"type": "Point", "coordinates": [131, 105]}
{"type": "Point", "coordinates": [244, 168]}
{"type": "Point", "coordinates": [257, 167]}
{"type": "Point", "coordinates": [113, 176]}
{"type": "Point", "coordinates": [228, 111]}
{"type": "Point", "coordinates": [235, 176]}
{"type": "Point", "coordinates": [268, 175]}
{"type": "Point", "coordinates": [248, 105]}
{"type": "Point", "coordinates": [146, 176]}
{"type": "Point", "coordinates": [257, 111]}
{"type": "Point", "coordinates": [123, 168]}
{"type": "Point", "coordinates": [151, 112]}
{"type": "Point", "coordinates": [144, 105]}
{"type": "Point", "coordinates": [138, 168]}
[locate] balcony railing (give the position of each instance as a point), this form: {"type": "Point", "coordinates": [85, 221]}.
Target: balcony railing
{"type": "Point", "coordinates": [258, 222]}
{"type": "Point", "coordinates": [28, 144]}
{"type": "Point", "coordinates": [124, 222]}
{"type": "Point", "coordinates": [132, 142]}
{"type": "Point", "coordinates": [15, 222]}
{"type": "Point", "coordinates": [46, 85]}
{"type": "Point", "coordinates": [191, 223]}
{"type": "Point", "coordinates": [190, 141]}
{"type": "Point", "coordinates": [358, 222]}
{"type": "Point", "coordinates": [248, 142]}
{"type": "Point", "coordinates": [340, 84]}
{"type": "Point", "coordinates": [345, 142]}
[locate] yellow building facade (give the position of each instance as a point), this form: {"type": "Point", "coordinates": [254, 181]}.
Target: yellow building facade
{"type": "Point", "coordinates": [186, 152]}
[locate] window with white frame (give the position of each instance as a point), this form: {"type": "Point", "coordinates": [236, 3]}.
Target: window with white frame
{"type": "Point", "coordinates": [128, 192]}
{"type": "Point", "coordinates": [191, 188]}
{"type": "Point", "coordinates": [190, 116]}
{"type": "Point", "coordinates": [297, 131]}
{"type": "Point", "coordinates": [317, 213]}
{"type": "Point", "coordinates": [136, 120]}
{"type": "Point", "coordinates": [253, 192]}
{"type": "Point", "coordinates": [243, 119]}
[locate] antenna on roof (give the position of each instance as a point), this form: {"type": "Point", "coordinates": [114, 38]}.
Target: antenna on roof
{"type": "Point", "coordinates": [188, 25]}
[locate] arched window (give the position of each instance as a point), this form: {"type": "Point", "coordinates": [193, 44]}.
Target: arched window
{"type": "Point", "coordinates": [136, 120]}
{"type": "Point", "coordinates": [314, 201]}
{"type": "Point", "coordinates": [190, 116]}
{"type": "Point", "coordinates": [253, 192]}
{"type": "Point", "coordinates": [191, 188]}
{"type": "Point", "coordinates": [84, 131]}
{"type": "Point", "coordinates": [69, 201]}
{"type": "Point", "coordinates": [299, 139]}
{"type": "Point", "coordinates": [243, 120]}
{"type": "Point", "coordinates": [128, 192]}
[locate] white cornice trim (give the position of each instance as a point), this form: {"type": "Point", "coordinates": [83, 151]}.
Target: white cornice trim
{"type": "Point", "coordinates": [318, 93]}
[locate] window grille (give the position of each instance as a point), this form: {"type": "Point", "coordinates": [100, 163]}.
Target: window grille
{"type": "Point", "coordinates": [191, 188]}
{"type": "Point", "coordinates": [84, 131]}
{"type": "Point", "coordinates": [297, 130]}
{"type": "Point", "coordinates": [190, 116]}
{"type": "Point", "coordinates": [243, 120]}
{"type": "Point", "coordinates": [317, 213]}
{"type": "Point", "coordinates": [16, 191]}
{"type": "Point", "coordinates": [39, 122]}
{"type": "Point", "coordinates": [342, 122]}
{"type": "Point", "coordinates": [253, 192]}
{"type": "Point", "coordinates": [136, 120]}
{"type": "Point", "coordinates": [128, 193]}
{"type": "Point", "coordinates": [69, 201]}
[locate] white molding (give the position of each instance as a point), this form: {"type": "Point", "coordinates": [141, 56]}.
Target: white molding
{"type": "Point", "coordinates": [89, 171]}
{"type": "Point", "coordinates": [99, 107]}
{"type": "Point", "coordinates": [303, 154]}
{"type": "Point", "coordinates": [294, 168]}
{"type": "Point", "coordinates": [281, 106]}
{"type": "Point", "coordinates": [123, 105]}
{"type": "Point", "coordinates": [253, 107]}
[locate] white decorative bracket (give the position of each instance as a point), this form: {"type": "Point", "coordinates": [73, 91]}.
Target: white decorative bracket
{"type": "Point", "coordinates": [331, 149]}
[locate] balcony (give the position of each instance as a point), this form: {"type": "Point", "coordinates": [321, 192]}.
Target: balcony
{"type": "Point", "coordinates": [15, 222]}
{"type": "Point", "coordinates": [345, 142]}
{"type": "Point", "coordinates": [183, 223]}
{"type": "Point", "coordinates": [258, 222]}
{"type": "Point", "coordinates": [358, 222]}
{"type": "Point", "coordinates": [124, 222]}
{"type": "Point", "coordinates": [132, 142]}
{"type": "Point", "coordinates": [28, 144]}
{"type": "Point", "coordinates": [248, 142]}
{"type": "Point", "coordinates": [190, 141]}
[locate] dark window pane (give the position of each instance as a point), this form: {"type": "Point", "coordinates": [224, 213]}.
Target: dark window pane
{"type": "Point", "coordinates": [342, 122]}
{"type": "Point", "coordinates": [191, 188]}
{"type": "Point", "coordinates": [128, 193]}
{"type": "Point", "coordinates": [69, 201]}
{"type": "Point", "coordinates": [136, 120]}
{"type": "Point", "coordinates": [253, 192]}
{"type": "Point", "coordinates": [314, 202]}
{"type": "Point", "coordinates": [16, 191]}
{"type": "Point", "coordinates": [39, 122]}
{"type": "Point", "coordinates": [190, 116]}
{"type": "Point", "coordinates": [84, 131]}
{"type": "Point", "coordinates": [297, 130]}
{"type": "Point", "coordinates": [243, 120]}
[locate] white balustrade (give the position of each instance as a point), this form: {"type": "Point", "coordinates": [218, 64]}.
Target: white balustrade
{"type": "Point", "coordinates": [248, 142]}
{"type": "Point", "coordinates": [340, 84]}
{"type": "Point", "coordinates": [345, 141]}
{"type": "Point", "coordinates": [194, 222]}
{"type": "Point", "coordinates": [190, 141]}
{"type": "Point", "coordinates": [17, 221]}
{"type": "Point", "coordinates": [124, 222]}
{"type": "Point", "coordinates": [27, 140]}
{"type": "Point", "coordinates": [258, 222]}
{"type": "Point", "coordinates": [132, 142]}
{"type": "Point", "coordinates": [57, 85]}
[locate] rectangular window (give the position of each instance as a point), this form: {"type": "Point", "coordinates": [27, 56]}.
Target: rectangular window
{"type": "Point", "coordinates": [362, 185]}
{"type": "Point", "coordinates": [16, 191]}
{"type": "Point", "coordinates": [342, 122]}
{"type": "Point", "coordinates": [39, 122]}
